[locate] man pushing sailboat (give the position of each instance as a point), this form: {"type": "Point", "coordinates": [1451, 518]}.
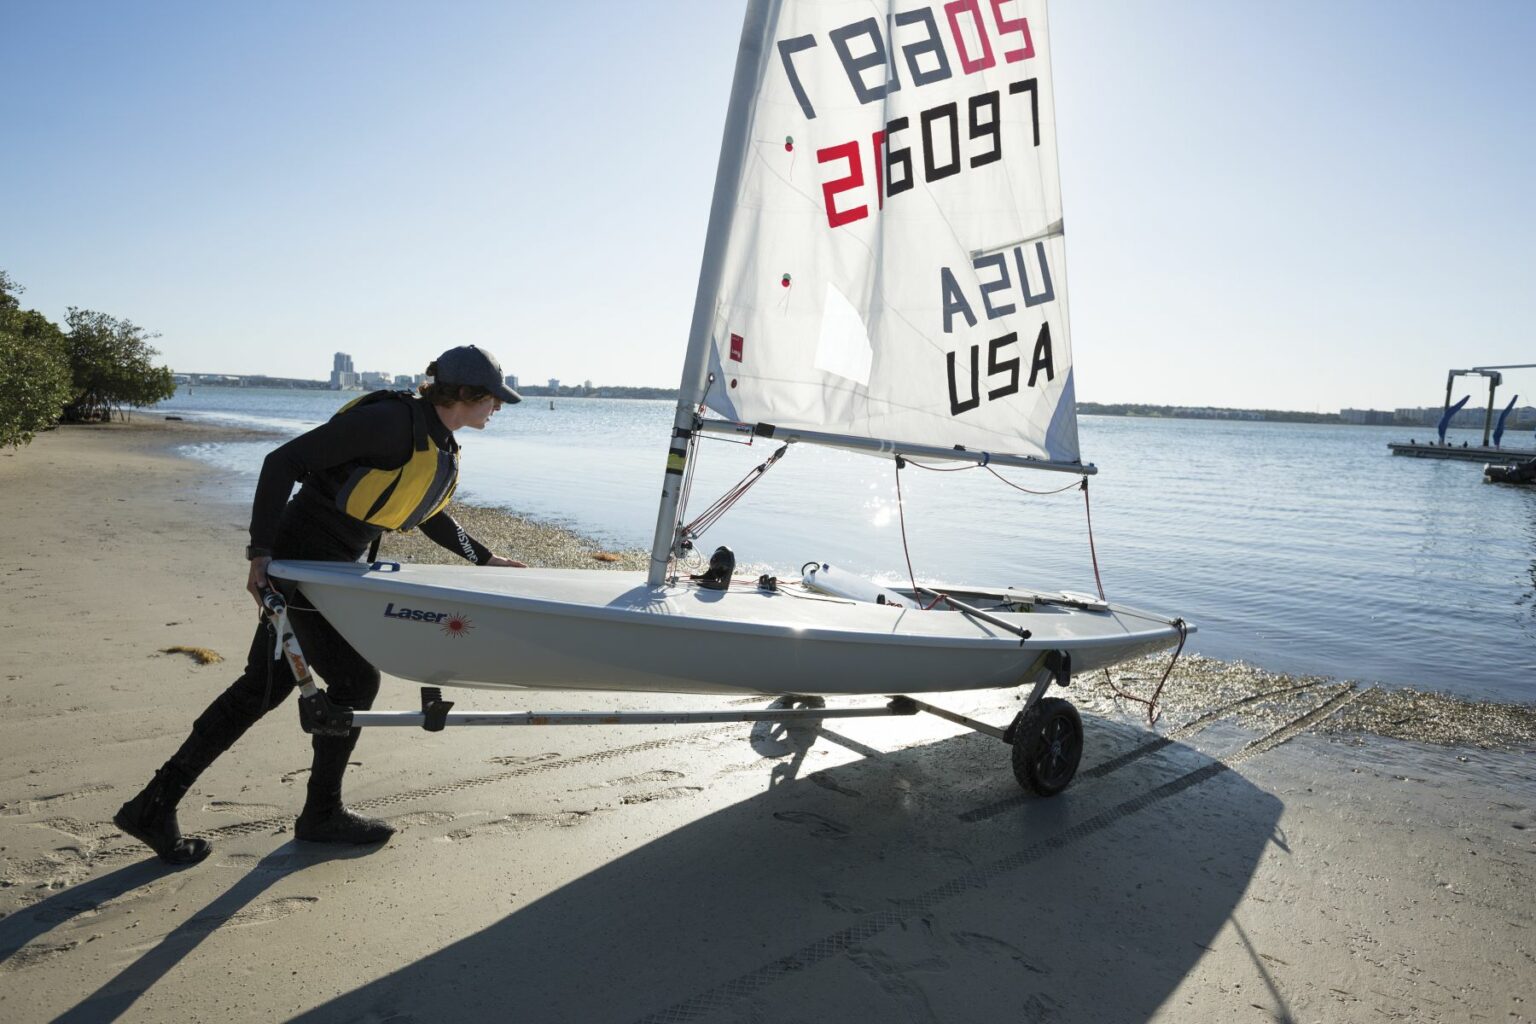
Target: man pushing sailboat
{"type": "Point", "coordinates": [386, 461]}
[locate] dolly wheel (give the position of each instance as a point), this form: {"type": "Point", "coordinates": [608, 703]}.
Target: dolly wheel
{"type": "Point", "coordinates": [1047, 744]}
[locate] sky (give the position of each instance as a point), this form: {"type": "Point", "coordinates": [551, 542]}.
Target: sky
{"type": "Point", "coordinates": [1310, 206]}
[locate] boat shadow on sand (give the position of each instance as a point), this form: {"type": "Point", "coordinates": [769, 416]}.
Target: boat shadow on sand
{"type": "Point", "coordinates": [911, 885]}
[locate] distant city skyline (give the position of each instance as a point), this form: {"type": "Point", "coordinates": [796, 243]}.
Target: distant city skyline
{"type": "Point", "coordinates": [1320, 213]}
{"type": "Point", "coordinates": [1470, 416]}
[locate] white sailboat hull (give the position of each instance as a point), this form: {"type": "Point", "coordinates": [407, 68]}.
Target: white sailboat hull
{"type": "Point", "coordinates": [605, 630]}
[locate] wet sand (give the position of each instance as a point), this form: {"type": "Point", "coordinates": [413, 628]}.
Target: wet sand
{"type": "Point", "coordinates": [1278, 848]}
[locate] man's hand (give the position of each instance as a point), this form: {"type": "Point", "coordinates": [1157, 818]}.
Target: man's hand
{"type": "Point", "coordinates": [258, 578]}
{"type": "Point", "coordinates": [505, 563]}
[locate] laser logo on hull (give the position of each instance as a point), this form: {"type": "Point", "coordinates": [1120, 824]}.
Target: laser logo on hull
{"type": "Point", "coordinates": [454, 624]}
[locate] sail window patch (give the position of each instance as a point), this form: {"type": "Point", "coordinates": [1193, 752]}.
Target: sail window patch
{"type": "Point", "coordinates": [843, 347]}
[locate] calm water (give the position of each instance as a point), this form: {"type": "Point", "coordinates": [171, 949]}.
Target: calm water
{"type": "Point", "coordinates": [1296, 547]}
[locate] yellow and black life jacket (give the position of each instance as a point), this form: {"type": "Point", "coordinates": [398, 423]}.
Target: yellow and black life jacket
{"type": "Point", "coordinates": [401, 499]}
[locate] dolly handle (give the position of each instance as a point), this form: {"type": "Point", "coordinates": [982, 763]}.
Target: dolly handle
{"type": "Point", "coordinates": [317, 715]}
{"type": "Point", "coordinates": [287, 644]}
{"type": "Point", "coordinates": [271, 600]}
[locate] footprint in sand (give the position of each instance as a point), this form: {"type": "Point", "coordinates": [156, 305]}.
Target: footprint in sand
{"type": "Point", "coordinates": [60, 908]}
{"type": "Point", "coordinates": [86, 833]}
{"type": "Point", "coordinates": [845, 904]}
{"type": "Point", "coordinates": [247, 810]}
{"type": "Point", "coordinates": [265, 913]}
{"type": "Point", "coordinates": [976, 942]}
{"type": "Point", "coordinates": [514, 823]}
{"type": "Point", "coordinates": [35, 804]}
{"type": "Point", "coordinates": [670, 793]}
{"type": "Point", "coordinates": [55, 870]}
{"type": "Point", "coordinates": [521, 759]}
{"type": "Point", "coordinates": [34, 954]}
{"type": "Point", "coordinates": [820, 827]}
{"type": "Point", "coordinates": [418, 819]}
{"type": "Point", "coordinates": [656, 775]}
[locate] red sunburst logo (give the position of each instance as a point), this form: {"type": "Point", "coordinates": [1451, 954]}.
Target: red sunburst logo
{"type": "Point", "coordinates": [457, 625]}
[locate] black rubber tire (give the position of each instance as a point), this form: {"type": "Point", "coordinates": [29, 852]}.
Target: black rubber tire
{"type": "Point", "coordinates": [1047, 745]}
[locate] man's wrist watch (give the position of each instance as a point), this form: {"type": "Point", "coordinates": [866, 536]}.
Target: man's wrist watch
{"type": "Point", "coordinates": [252, 552]}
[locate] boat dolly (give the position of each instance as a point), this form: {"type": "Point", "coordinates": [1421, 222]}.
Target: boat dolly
{"type": "Point", "coordinates": [1046, 736]}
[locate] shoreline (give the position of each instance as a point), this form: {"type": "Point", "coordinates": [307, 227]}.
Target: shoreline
{"type": "Point", "coordinates": [1257, 851]}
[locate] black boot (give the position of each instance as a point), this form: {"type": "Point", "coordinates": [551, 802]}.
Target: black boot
{"type": "Point", "coordinates": [335, 823]}
{"type": "Point", "coordinates": [150, 818]}
{"type": "Point", "coordinates": [325, 819]}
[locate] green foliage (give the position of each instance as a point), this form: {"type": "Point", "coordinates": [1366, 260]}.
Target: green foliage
{"type": "Point", "coordinates": [34, 375]}
{"type": "Point", "coordinates": [112, 365]}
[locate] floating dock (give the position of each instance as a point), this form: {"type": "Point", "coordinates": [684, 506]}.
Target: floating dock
{"type": "Point", "coordinates": [1463, 452]}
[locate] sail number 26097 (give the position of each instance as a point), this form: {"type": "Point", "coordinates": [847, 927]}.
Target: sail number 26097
{"type": "Point", "coordinates": [939, 134]}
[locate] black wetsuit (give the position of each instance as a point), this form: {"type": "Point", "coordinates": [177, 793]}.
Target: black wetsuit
{"type": "Point", "coordinates": [310, 526]}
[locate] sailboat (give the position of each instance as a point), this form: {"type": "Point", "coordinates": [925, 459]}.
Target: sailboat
{"type": "Point", "coordinates": [884, 272]}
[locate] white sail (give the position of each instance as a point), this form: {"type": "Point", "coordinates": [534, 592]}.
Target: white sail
{"type": "Point", "coordinates": [893, 264]}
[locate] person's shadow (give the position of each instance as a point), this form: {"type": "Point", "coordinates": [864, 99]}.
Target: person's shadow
{"type": "Point", "coordinates": [111, 1000]}
{"type": "Point", "coordinates": [912, 885]}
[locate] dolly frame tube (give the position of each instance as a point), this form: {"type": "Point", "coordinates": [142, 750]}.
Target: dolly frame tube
{"type": "Point", "coordinates": [418, 719]}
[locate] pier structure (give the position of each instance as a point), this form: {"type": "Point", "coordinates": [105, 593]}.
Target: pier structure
{"type": "Point", "coordinates": [1485, 452]}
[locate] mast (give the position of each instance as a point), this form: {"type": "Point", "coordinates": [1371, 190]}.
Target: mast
{"type": "Point", "coordinates": [734, 147]}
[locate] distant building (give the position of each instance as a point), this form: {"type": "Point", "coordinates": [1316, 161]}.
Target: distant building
{"type": "Point", "coordinates": [1471, 416]}
{"type": "Point", "coordinates": [342, 376]}
{"type": "Point", "coordinates": [374, 379]}
{"type": "Point", "coordinates": [1369, 417]}
{"type": "Point", "coordinates": [404, 381]}
{"type": "Point", "coordinates": [554, 383]}
{"type": "Point", "coordinates": [1208, 413]}
{"type": "Point", "coordinates": [512, 381]}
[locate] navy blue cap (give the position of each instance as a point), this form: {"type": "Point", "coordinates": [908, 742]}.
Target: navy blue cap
{"type": "Point", "coordinates": [476, 368]}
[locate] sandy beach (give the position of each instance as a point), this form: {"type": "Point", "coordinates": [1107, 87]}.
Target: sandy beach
{"type": "Point", "coordinates": [1276, 849]}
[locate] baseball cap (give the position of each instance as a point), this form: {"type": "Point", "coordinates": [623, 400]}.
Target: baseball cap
{"type": "Point", "coordinates": [475, 367]}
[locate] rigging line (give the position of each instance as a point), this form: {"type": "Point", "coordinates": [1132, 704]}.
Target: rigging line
{"type": "Point", "coordinates": [813, 597]}
{"type": "Point", "coordinates": [722, 504]}
{"type": "Point", "coordinates": [1092, 551]}
{"type": "Point", "coordinates": [1153, 714]}
{"type": "Point", "coordinates": [1028, 490]}
{"type": "Point", "coordinates": [727, 440]}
